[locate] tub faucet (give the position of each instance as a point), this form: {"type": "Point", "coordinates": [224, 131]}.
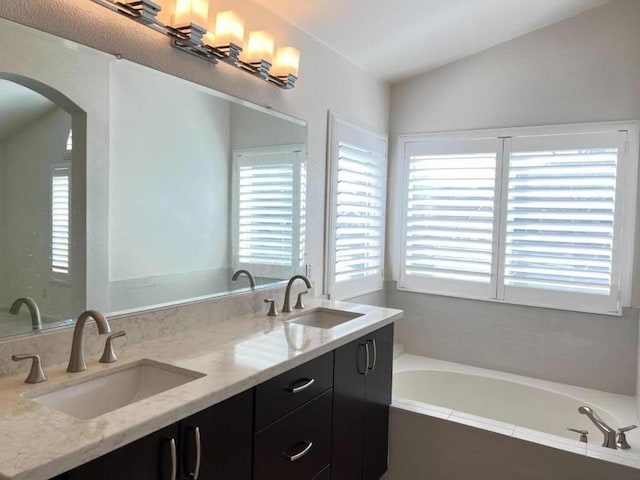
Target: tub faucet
{"type": "Point", "coordinates": [287, 293]}
{"type": "Point", "coordinates": [76, 360]}
{"type": "Point", "coordinates": [36, 319]}
{"type": "Point", "coordinates": [608, 432]}
{"type": "Point", "coordinates": [247, 273]}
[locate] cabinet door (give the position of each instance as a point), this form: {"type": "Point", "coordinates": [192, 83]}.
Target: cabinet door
{"type": "Point", "coordinates": [225, 434]}
{"type": "Point", "coordinates": [151, 458]}
{"type": "Point", "coordinates": [350, 365]}
{"type": "Point", "coordinates": [378, 399]}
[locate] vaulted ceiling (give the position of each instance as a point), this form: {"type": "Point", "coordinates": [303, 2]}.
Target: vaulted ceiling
{"type": "Point", "coordinates": [395, 40]}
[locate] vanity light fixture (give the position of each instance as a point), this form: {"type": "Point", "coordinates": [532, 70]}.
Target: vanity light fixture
{"type": "Point", "coordinates": [214, 37]}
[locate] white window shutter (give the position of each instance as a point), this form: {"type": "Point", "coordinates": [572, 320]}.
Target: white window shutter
{"type": "Point", "coordinates": [356, 213]}
{"type": "Point", "coordinates": [60, 222]}
{"type": "Point", "coordinates": [267, 210]}
{"type": "Point", "coordinates": [449, 213]}
{"type": "Point", "coordinates": [561, 222]}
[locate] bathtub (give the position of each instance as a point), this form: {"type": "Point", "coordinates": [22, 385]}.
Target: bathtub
{"type": "Point", "coordinates": [453, 421]}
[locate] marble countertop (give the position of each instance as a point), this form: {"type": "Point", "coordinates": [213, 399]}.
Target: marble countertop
{"type": "Point", "coordinates": [236, 354]}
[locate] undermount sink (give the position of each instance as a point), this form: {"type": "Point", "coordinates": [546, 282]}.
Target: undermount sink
{"type": "Point", "coordinates": [107, 391]}
{"type": "Point", "coordinates": [325, 318]}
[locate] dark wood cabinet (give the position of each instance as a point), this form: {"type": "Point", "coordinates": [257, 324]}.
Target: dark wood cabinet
{"type": "Point", "coordinates": [362, 395]}
{"type": "Point", "coordinates": [225, 434]}
{"type": "Point", "coordinates": [217, 442]}
{"type": "Point", "coordinates": [153, 457]}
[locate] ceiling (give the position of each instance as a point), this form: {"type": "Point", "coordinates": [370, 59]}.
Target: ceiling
{"type": "Point", "coordinates": [20, 106]}
{"type": "Point", "coordinates": [398, 40]}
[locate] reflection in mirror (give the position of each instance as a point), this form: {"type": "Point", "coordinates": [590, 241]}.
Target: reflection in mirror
{"type": "Point", "coordinates": [149, 191]}
{"type": "Point", "coordinates": [38, 285]}
{"type": "Point", "coordinates": [200, 187]}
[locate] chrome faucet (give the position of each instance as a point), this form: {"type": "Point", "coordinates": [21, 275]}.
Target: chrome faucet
{"type": "Point", "coordinates": [608, 432]}
{"type": "Point", "coordinates": [36, 319]}
{"type": "Point", "coordinates": [76, 360]}
{"type": "Point", "coordinates": [247, 273]}
{"type": "Point", "coordinates": [287, 294]}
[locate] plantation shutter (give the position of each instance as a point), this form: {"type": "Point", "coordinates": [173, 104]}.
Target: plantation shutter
{"type": "Point", "coordinates": [61, 215]}
{"type": "Point", "coordinates": [448, 229]}
{"type": "Point", "coordinates": [357, 211]}
{"type": "Point", "coordinates": [561, 222]}
{"type": "Point", "coordinates": [60, 224]}
{"type": "Point", "coordinates": [267, 212]}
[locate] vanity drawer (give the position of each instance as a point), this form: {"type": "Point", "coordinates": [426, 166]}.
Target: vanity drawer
{"type": "Point", "coordinates": [307, 429]}
{"type": "Point", "coordinates": [284, 393]}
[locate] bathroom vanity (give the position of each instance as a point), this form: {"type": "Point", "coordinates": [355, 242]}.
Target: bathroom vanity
{"type": "Point", "coordinates": [299, 396]}
{"type": "Point", "coordinates": [334, 408]}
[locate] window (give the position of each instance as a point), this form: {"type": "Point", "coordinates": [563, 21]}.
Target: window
{"type": "Point", "coordinates": [356, 210]}
{"type": "Point", "coordinates": [268, 210]}
{"type": "Point", "coordinates": [61, 216]}
{"type": "Point", "coordinates": [527, 217]}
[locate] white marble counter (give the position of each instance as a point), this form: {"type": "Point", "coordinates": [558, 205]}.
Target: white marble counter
{"type": "Point", "coordinates": [235, 354]}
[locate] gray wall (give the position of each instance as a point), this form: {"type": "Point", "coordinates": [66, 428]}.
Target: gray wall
{"type": "Point", "coordinates": [584, 69]}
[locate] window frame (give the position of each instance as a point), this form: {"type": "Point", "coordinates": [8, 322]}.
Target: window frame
{"type": "Point", "coordinates": [626, 190]}
{"type": "Point", "coordinates": [373, 283]}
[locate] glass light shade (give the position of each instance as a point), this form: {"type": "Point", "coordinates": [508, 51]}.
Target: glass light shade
{"type": "Point", "coordinates": [229, 28]}
{"type": "Point", "coordinates": [259, 47]}
{"type": "Point", "coordinates": [209, 38]}
{"type": "Point", "coordinates": [191, 12]}
{"type": "Point", "coordinates": [287, 62]}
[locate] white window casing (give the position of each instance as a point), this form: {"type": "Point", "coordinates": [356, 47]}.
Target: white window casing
{"type": "Point", "coordinates": [563, 215]}
{"type": "Point", "coordinates": [356, 204]}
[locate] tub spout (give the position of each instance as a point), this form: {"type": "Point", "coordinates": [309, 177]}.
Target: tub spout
{"type": "Point", "coordinates": [608, 432]}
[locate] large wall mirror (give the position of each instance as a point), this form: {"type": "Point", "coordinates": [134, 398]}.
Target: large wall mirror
{"type": "Point", "coordinates": [145, 190]}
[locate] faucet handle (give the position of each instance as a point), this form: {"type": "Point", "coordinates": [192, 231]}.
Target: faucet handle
{"type": "Point", "coordinates": [36, 375]}
{"type": "Point", "coordinates": [583, 433]}
{"type": "Point", "coordinates": [272, 309]}
{"type": "Point", "coordinates": [299, 304]}
{"type": "Point", "coordinates": [621, 441]}
{"type": "Point", "coordinates": [109, 356]}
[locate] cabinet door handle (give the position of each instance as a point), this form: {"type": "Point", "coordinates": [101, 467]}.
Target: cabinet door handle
{"type": "Point", "coordinates": [196, 471]}
{"type": "Point", "coordinates": [298, 388]}
{"type": "Point", "coordinates": [365, 371]}
{"type": "Point", "coordinates": [174, 458]}
{"type": "Point", "coordinates": [292, 457]}
{"type": "Point", "coordinates": [375, 355]}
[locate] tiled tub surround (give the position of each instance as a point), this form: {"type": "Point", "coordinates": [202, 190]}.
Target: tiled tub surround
{"type": "Point", "coordinates": [236, 350]}
{"type": "Point", "coordinates": [587, 350]}
{"type": "Point", "coordinates": [437, 441]}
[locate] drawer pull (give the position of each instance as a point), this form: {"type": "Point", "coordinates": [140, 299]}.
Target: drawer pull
{"type": "Point", "coordinates": [298, 388]}
{"type": "Point", "coordinates": [297, 456]}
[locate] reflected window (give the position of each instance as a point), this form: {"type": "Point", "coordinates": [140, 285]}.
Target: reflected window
{"type": "Point", "coordinates": [267, 210]}
{"type": "Point", "coordinates": [61, 215]}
